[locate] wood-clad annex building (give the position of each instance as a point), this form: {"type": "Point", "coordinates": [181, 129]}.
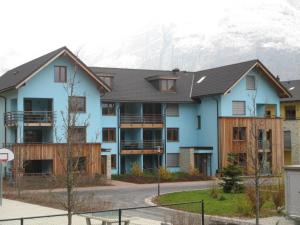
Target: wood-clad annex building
{"type": "Point", "coordinates": [246, 136]}
{"type": "Point", "coordinates": [52, 158]}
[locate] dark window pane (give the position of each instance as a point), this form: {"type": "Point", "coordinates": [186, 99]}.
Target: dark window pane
{"type": "Point", "coordinates": [172, 134]}
{"type": "Point", "coordinates": [108, 108]}
{"type": "Point", "coordinates": [198, 122]}
{"type": "Point", "coordinates": [109, 134]}
{"type": "Point", "coordinates": [60, 74]}
{"type": "Point", "coordinates": [77, 104]}
{"type": "Point", "coordinates": [239, 133]}
{"type": "Point", "coordinates": [78, 134]}
{"type": "Point", "coordinates": [113, 161]}
{"type": "Point", "coordinates": [290, 112]}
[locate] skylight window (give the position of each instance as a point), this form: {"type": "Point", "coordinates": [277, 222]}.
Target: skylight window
{"type": "Point", "coordinates": [291, 88]}
{"type": "Point", "coordinates": [201, 79]}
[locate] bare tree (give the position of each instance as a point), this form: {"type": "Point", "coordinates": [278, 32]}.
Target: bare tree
{"type": "Point", "coordinates": [257, 146]}
{"type": "Point", "coordinates": [70, 156]}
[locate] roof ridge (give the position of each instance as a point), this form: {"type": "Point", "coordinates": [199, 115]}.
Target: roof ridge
{"type": "Point", "coordinates": [232, 64]}
{"type": "Point", "coordinates": [37, 58]}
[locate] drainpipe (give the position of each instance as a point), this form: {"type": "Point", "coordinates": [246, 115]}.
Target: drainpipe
{"type": "Point", "coordinates": [218, 133]}
{"type": "Point", "coordinates": [118, 142]}
{"type": "Point", "coordinates": [5, 131]}
{"type": "Point", "coordinates": [165, 129]}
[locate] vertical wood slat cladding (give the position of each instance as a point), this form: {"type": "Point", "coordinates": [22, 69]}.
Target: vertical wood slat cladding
{"type": "Point", "coordinates": [57, 153]}
{"type": "Point", "coordinates": [227, 145]}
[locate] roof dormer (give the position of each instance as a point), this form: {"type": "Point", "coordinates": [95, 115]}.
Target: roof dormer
{"type": "Point", "coordinates": [107, 78]}
{"type": "Point", "coordinates": [164, 83]}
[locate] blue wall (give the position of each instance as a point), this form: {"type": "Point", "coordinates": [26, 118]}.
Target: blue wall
{"type": "Point", "coordinates": [264, 94]}
{"type": "Point", "coordinates": [208, 134]}
{"type": "Point", "coordinates": [42, 85]}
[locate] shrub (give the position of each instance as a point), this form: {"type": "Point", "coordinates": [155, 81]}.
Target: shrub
{"type": "Point", "coordinates": [277, 196]}
{"type": "Point", "coordinates": [214, 191]}
{"type": "Point", "coordinates": [251, 196]}
{"type": "Point", "coordinates": [221, 198]}
{"type": "Point", "coordinates": [136, 170]}
{"type": "Point", "coordinates": [165, 174]}
{"type": "Point", "coordinates": [243, 207]}
{"type": "Point", "coordinates": [232, 182]}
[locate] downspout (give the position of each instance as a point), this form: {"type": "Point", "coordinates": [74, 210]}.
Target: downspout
{"type": "Point", "coordinates": [118, 142]}
{"type": "Point", "coordinates": [165, 130]}
{"type": "Point", "coordinates": [218, 133]}
{"type": "Point", "coordinates": [5, 129]}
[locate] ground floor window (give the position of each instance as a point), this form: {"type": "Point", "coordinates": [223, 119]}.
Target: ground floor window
{"type": "Point", "coordinates": [238, 159]}
{"type": "Point", "coordinates": [173, 160]}
{"type": "Point", "coordinates": [79, 164]}
{"type": "Point", "coordinates": [32, 167]}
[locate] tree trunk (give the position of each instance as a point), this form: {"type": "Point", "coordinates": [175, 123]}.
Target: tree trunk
{"type": "Point", "coordinates": [257, 194]}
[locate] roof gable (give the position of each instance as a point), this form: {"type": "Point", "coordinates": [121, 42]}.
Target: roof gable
{"type": "Point", "coordinates": [294, 87]}
{"type": "Point", "coordinates": [221, 80]}
{"type": "Point", "coordinates": [16, 77]}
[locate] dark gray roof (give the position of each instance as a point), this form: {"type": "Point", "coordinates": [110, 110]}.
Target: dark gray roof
{"type": "Point", "coordinates": [294, 88]}
{"type": "Point", "coordinates": [130, 85]}
{"type": "Point", "coordinates": [133, 85]}
{"type": "Point", "coordinates": [16, 75]}
{"type": "Point", "coordinates": [219, 80]}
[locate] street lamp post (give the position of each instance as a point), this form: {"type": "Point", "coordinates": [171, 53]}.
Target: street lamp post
{"type": "Point", "coordinates": [158, 170]}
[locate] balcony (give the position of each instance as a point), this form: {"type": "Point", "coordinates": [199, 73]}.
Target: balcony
{"type": "Point", "coordinates": [290, 117]}
{"type": "Point", "coordinates": [30, 118]}
{"type": "Point", "coordinates": [264, 146]}
{"type": "Point", "coordinates": [141, 147]}
{"type": "Point", "coordinates": [141, 121]}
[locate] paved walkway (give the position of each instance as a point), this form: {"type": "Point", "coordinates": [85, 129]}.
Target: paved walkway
{"type": "Point", "coordinates": [17, 209]}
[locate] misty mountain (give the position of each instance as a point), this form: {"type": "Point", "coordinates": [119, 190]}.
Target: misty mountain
{"type": "Point", "coordinates": [271, 34]}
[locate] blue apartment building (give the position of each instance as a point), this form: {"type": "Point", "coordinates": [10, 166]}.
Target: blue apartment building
{"type": "Point", "coordinates": [190, 120]}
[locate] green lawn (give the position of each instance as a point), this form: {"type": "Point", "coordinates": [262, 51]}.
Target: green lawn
{"type": "Point", "coordinates": [226, 206]}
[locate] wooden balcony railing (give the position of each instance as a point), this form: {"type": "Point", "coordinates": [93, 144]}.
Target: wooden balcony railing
{"type": "Point", "coordinates": [291, 118]}
{"type": "Point", "coordinates": [142, 119]}
{"type": "Point", "coordinates": [142, 145]}
{"type": "Point", "coordinates": [264, 145]}
{"type": "Point", "coordinates": [29, 117]}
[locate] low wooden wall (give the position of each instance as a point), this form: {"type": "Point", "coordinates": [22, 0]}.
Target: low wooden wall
{"type": "Point", "coordinates": [57, 153]}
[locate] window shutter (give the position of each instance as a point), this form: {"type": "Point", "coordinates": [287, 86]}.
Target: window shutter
{"type": "Point", "coordinates": [173, 160]}
{"type": "Point", "coordinates": [238, 108]}
{"type": "Point", "coordinates": [287, 139]}
{"type": "Point", "coordinates": [172, 110]}
{"type": "Point", "coordinates": [250, 80]}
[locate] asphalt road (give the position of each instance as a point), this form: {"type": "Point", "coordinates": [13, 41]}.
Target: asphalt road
{"type": "Point", "coordinates": [123, 196]}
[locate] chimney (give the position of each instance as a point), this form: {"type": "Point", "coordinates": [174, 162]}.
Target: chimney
{"type": "Point", "coordinates": [175, 70]}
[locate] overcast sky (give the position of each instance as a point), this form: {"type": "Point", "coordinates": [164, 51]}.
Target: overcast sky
{"type": "Point", "coordinates": [31, 28]}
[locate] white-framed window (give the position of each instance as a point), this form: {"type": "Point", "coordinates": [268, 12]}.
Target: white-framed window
{"type": "Point", "coordinates": [250, 82]}
{"type": "Point", "coordinates": [173, 160]}
{"type": "Point", "coordinates": [172, 110]}
{"type": "Point", "coordinates": [239, 108]}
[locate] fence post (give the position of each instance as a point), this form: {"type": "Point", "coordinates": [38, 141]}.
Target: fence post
{"type": "Point", "coordinates": [202, 212]}
{"type": "Point", "coordinates": [120, 216]}
{"type": "Point", "coordinates": [22, 221]}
